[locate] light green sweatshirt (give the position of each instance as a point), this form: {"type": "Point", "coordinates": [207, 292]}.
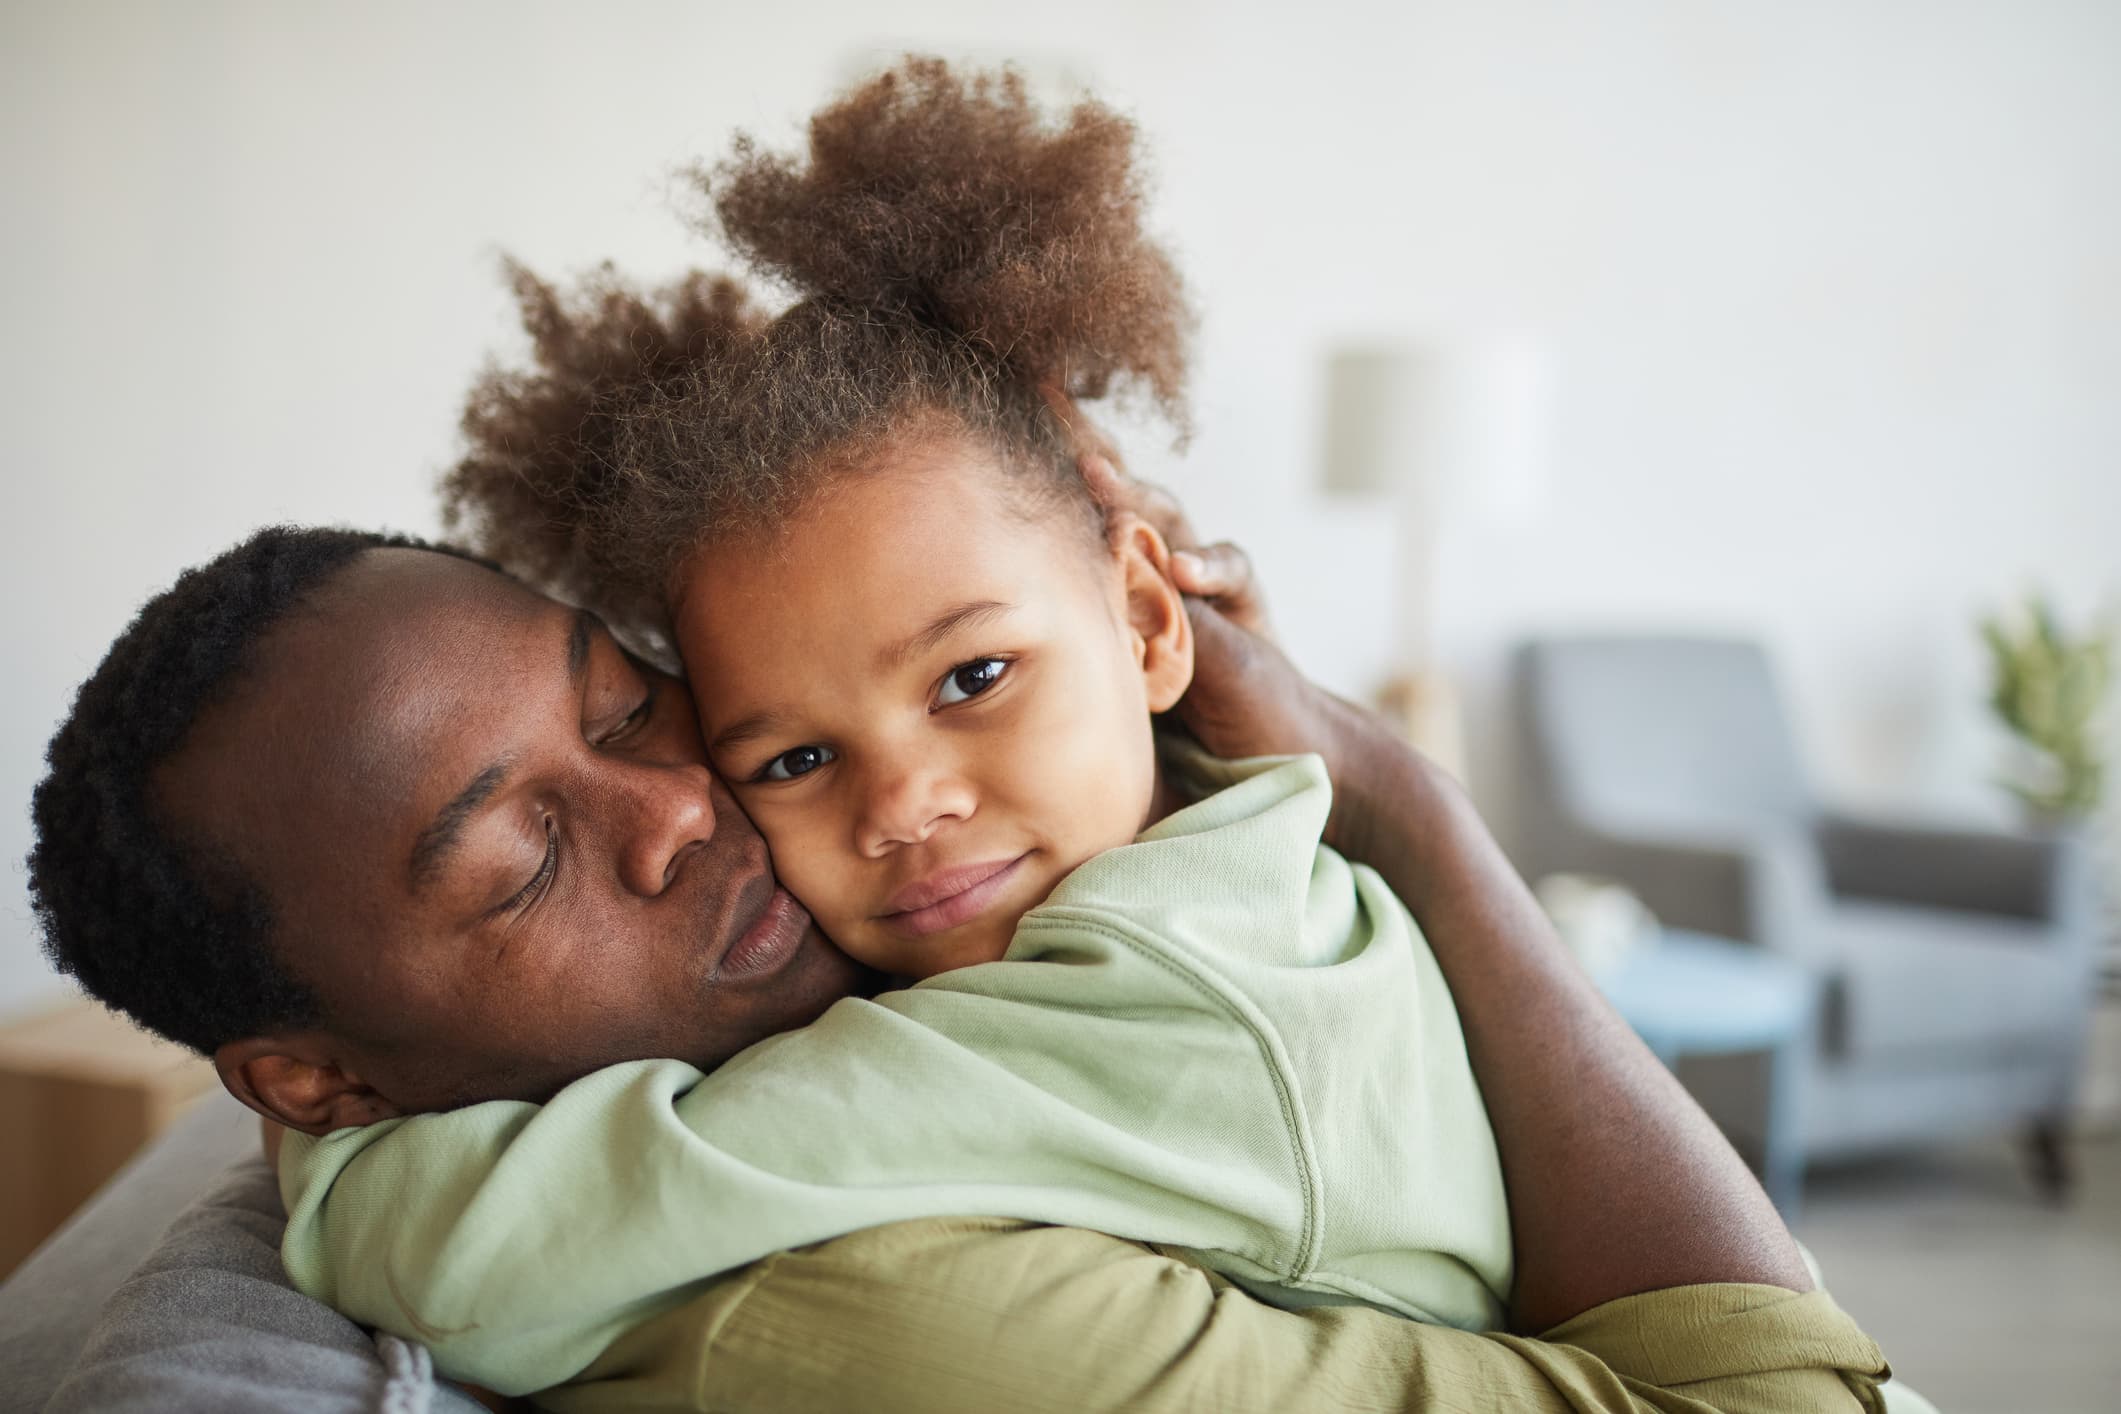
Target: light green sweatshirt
{"type": "Point", "coordinates": [1222, 1037]}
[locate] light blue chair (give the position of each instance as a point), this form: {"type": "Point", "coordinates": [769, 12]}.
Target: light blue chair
{"type": "Point", "coordinates": [1956, 968]}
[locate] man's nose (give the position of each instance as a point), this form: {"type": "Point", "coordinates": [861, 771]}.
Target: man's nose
{"type": "Point", "coordinates": [660, 815]}
{"type": "Point", "coordinates": [907, 805]}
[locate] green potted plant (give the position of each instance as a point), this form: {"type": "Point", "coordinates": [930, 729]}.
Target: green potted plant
{"type": "Point", "coordinates": [2048, 688]}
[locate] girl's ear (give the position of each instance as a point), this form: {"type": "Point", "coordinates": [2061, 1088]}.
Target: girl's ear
{"type": "Point", "coordinates": [1162, 634]}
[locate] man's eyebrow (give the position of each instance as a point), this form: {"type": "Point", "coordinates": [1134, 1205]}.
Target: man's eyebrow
{"type": "Point", "coordinates": [432, 848]}
{"type": "Point", "coordinates": [940, 628]}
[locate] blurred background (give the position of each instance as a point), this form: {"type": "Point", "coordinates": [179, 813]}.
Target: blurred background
{"type": "Point", "coordinates": [1793, 326]}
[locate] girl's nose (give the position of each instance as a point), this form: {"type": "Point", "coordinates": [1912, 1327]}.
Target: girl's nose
{"type": "Point", "coordinates": [907, 807]}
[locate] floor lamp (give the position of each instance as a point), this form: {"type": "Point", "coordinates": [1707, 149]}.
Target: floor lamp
{"type": "Point", "coordinates": [1437, 429]}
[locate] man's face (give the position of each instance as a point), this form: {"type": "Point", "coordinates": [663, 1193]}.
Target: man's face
{"type": "Point", "coordinates": [491, 843]}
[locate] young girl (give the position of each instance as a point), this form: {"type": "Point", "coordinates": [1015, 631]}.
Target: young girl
{"type": "Point", "coordinates": [1150, 1000]}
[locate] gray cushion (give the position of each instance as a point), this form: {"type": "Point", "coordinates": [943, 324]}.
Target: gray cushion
{"type": "Point", "coordinates": [49, 1303]}
{"type": "Point", "coordinates": [1923, 979]}
{"type": "Point", "coordinates": [208, 1322]}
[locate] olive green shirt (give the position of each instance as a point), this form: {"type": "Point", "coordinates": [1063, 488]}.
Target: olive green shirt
{"type": "Point", "coordinates": [977, 1315]}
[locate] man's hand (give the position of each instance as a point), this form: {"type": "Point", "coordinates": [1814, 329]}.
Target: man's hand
{"type": "Point", "coordinates": [1247, 698]}
{"type": "Point", "coordinates": [1618, 1182]}
{"type": "Point", "coordinates": [1220, 573]}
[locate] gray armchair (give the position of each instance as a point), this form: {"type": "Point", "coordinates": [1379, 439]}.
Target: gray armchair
{"type": "Point", "coordinates": [1956, 966]}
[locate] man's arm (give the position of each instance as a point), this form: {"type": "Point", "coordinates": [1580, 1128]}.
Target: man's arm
{"type": "Point", "coordinates": [969, 1315]}
{"type": "Point", "coordinates": [1618, 1182]}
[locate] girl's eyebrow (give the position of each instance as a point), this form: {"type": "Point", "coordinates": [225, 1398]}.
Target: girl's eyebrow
{"type": "Point", "coordinates": [976, 611]}
{"type": "Point", "coordinates": [744, 729]}
{"type": "Point", "coordinates": [965, 615]}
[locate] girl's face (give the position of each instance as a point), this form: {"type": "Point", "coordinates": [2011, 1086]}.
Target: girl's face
{"type": "Point", "coordinates": [933, 701]}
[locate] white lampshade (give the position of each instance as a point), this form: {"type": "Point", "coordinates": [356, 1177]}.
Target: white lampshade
{"type": "Point", "coordinates": [1453, 424]}
{"type": "Point", "coordinates": [1443, 429]}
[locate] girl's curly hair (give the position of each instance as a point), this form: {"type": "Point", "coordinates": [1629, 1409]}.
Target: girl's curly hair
{"type": "Point", "coordinates": [949, 252]}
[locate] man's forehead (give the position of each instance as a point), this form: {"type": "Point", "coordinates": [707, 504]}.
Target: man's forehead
{"type": "Point", "coordinates": [392, 681]}
{"type": "Point", "coordinates": [404, 580]}
{"type": "Point", "coordinates": [417, 650]}
{"type": "Point", "coordinates": [392, 672]}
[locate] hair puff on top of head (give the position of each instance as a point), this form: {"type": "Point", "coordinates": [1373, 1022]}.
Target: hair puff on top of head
{"type": "Point", "coordinates": [950, 196]}
{"type": "Point", "coordinates": [543, 467]}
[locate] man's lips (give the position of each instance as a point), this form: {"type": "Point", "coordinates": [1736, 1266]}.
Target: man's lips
{"type": "Point", "coordinates": [772, 937]}
{"type": "Point", "coordinates": [950, 897]}
{"type": "Point", "coordinates": [761, 924]}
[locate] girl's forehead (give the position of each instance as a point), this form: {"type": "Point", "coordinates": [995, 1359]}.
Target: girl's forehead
{"type": "Point", "coordinates": [897, 548]}
{"type": "Point", "coordinates": [914, 468]}
{"type": "Point", "coordinates": [912, 510]}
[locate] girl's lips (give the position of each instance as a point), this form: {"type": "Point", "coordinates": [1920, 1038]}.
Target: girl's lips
{"type": "Point", "coordinates": [952, 897]}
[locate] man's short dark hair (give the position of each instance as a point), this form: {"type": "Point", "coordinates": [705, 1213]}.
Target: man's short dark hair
{"type": "Point", "coordinates": [147, 920]}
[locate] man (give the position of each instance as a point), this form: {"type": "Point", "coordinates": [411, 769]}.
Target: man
{"type": "Point", "coordinates": [382, 831]}
{"type": "Point", "coordinates": [320, 912]}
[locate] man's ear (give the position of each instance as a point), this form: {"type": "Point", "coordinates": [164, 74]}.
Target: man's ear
{"type": "Point", "coordinates": [300, 1081]}
{"type": "Point", "coordinates": [1163, 635]}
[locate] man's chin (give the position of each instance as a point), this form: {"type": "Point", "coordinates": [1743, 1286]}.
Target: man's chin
{"type": "Point", "coordinates": [818, 974]}
{"type": "Point", "coordinates": [797, 991]}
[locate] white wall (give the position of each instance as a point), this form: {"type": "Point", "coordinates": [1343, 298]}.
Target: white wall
{"type": "Point", "coordinates": [1834, 290]}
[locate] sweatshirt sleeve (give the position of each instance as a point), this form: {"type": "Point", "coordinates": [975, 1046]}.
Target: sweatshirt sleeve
{"type": "Point", "coordinates": [517, 1241]}
{"type": "Point", "coordinates": [958, 1316]}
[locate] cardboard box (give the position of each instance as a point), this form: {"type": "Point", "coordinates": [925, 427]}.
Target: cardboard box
{"type": "Point", "coordinates": [81, 1090]}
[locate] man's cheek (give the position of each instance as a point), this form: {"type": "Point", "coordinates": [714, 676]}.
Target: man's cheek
{"type": "Point", "coordinates": [804, 869]}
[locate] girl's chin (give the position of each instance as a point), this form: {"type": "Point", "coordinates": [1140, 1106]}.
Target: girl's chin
{"type": "Point", "coordinates": [931, 957]}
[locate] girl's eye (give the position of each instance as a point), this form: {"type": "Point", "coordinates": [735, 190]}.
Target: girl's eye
{"type": "Point", "coordinates": [791, 764]}
{"type": "Point", "coordinates": [970, 680]}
